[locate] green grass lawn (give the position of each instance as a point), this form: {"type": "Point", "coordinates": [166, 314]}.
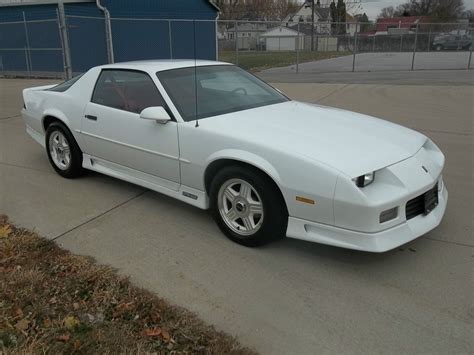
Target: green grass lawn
{"type": "Point", "coordinates": [256, 61]}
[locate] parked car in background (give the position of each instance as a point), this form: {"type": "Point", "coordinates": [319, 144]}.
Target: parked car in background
{"type": "Point", "coordinates": [214, 136]}
{"type": "Point", "coordinates": [452, 42]}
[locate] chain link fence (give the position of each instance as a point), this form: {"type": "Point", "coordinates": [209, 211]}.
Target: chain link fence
{"type": "Point", "coordinates": [67, 45]}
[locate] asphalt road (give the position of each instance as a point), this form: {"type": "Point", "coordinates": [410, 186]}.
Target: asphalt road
{"type": "Point", "coordinates": [291, 297]}
{"type": "Point", "coordinates": [419, 77]}
{"type": "Point", "coordinates": [381, 61]}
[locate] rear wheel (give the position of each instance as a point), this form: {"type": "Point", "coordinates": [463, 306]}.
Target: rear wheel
{"type": "Point", "coordinates": [63, 152]}
{"type": "Point", "coordinates": [247, 207]}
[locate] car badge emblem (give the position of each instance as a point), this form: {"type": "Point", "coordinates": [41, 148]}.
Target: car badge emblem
{"type": "Point", "coordinates": [426, 170]}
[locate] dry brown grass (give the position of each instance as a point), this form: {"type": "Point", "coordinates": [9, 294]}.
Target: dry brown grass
{"type": "Point", "coordinates": [52, 301]}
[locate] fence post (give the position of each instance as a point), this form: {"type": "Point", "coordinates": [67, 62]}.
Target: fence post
{"type": "Point", "coordinates": [27, 62]}
{"type": "Point", "coordinates": [354, 52]}
{"type": "Point", "coordinates": [298, 51]}
{"type": "Point", "coordinates": [327, 41]}
{"type": "Point", "coordinates": [414, 49]}
{"type": "Point", "coordinates": [170, 38]}
{"type": "Point", "coordinates": [63, 35]}
{"type": "Point", "coordinates": [401, 42]}
{"type": "Point", "coordinates": [429, 38]}
{"type": "Point", "coordinates": [236, 44]}
{"type": "Point", "coordinates": [27, 39]}
{"type": "Point", "coordinates": [373, 44]}
{"type": "Point", "coordinates": [470, 57]}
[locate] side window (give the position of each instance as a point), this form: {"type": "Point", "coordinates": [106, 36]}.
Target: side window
{"type": "Point", "coordinates": [126, 90]}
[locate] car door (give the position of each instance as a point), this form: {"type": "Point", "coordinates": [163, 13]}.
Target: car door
{"type": "Point", "coordinates": [113, 130]}
{"type": "Point", "coordinates": [453, 42]}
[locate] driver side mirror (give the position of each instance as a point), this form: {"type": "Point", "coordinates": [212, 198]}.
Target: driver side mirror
{"type": "Point", "coordinates": [156, 113]}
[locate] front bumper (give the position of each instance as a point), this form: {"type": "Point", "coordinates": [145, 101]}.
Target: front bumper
{"type": "Point", "coordinates": [373, 242]}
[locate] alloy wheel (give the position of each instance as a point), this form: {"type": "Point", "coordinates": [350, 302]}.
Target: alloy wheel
{"type": "Point", "coordinates": [60, 150]}
{"type": "Point", "coordinates": [240, 207]}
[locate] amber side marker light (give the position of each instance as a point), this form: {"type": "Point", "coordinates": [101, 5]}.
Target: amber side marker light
{"type": "Point", "coordinates": [305, 200]}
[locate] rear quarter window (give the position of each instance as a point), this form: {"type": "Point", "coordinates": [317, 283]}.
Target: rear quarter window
{"type": "Point", "coordinates": [66, 85]}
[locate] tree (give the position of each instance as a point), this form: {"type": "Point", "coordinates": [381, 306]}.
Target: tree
{"type": "Point", "coordinates": [270, 10]}
{"type": "Point", "coordinates": [438, 10]}
{"type": "Point", "coordinates": [338, 17]}
{"type": "Point", "coordinates": [333, 13]}
{"type": "Point", "coordinates": [341, 16]}
{"type": "Point", "coordinates": [365, 25]}
{"type": "Point", "coordinates": [387, 12]}
{"type": "Point", "coordinates": [283, 8]}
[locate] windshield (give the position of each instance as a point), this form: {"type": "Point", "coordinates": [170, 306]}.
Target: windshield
{"type": "Point", "coordinates": [220, 89]}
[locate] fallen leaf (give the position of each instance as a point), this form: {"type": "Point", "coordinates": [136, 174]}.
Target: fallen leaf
{"type": "Point", "coordinates": [52, 300]}
{"type": "Point", "coordinates": [5, 230]}
{"type": "Point", "coordinates": [22, 324]}
{"type": "Point", "coordinates": [18, 312]}
{"type": "Point", "coordinates": [77, 344]}
{"type": "Point", "coordinates": [154, 332]}
{"type": "Point", "coordinates": [75, 305]}
{"type": "Point", "coordinates": [71, 322]}
{"type": "Point", "coordinates": [47, 322]}
{"type": "Point", "coordinates": [165, 335]}
{"type": "Point", "coordinates": [64, 337]}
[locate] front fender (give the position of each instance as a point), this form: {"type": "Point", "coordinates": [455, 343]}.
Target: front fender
{"type": "Point", "coordinates": [246, 157]}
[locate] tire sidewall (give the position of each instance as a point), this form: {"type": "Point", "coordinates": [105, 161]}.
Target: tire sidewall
{"type": "Point", "coordinates": [275, 217]}
{"type": "Point", "coordinates": [75, 168]}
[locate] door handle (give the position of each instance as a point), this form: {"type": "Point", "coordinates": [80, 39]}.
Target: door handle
{"type": "Point", "coordinates": [91, 117]}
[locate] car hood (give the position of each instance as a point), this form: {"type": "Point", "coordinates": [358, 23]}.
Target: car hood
{"type": "Point", "coordinates": [352, 143]}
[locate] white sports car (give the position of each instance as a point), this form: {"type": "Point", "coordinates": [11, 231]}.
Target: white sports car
{"type": "Point", "coordinates": [214, 136]}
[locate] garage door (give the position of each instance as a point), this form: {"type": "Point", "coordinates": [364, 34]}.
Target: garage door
{"type": "Point", "coordinates": [281, 44]}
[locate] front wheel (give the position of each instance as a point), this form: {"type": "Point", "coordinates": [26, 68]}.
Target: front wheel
{"type": "Point", "coordinates": [247, 206]}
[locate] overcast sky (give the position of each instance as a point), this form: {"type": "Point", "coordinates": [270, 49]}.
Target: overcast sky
{"type": "Point", "coordinates": [373, 7]}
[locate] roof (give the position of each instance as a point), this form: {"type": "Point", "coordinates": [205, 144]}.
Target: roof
{"type": "Point", "coordinates": [307, 28]}
{"type": "Point", "coordinates": [156, 65]}
{"type": "Point", "coordinates": [323, 12]}
{"type": "Point", "coordinates": [40, 2]}
{"type": "Point", "coordinates": [249, 27]}
{"type": "Point", "coordinates": [280, 32]}
{"type": "Point", "coordinates": [403, 19]}
{"type": "Point", "coordinates": [7, 3]}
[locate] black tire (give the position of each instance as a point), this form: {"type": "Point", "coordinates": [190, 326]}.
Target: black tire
{"type": "Point", "coordinates": [74, 168]}
{"type": "Point", "coordinates": [275, 215]}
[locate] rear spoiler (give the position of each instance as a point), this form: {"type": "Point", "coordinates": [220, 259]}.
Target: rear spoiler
{"type": "Point", "coordinates": [39, 88]}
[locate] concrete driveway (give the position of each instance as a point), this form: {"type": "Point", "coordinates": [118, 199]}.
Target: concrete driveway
{"type": "Point", "coordinates": [290, 297]}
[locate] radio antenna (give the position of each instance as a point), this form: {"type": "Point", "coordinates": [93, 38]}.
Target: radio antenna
{"type": "Point", "coordinates": [195, 76]}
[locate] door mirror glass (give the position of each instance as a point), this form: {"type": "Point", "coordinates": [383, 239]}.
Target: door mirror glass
{"type": "Point", "coordinates": [156, 113]}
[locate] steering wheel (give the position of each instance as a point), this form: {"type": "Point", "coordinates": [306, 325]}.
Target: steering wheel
{"type": "Point", "coordinates": [240, 89]}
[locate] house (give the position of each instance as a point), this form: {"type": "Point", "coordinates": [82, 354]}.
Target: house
{"type": "Point", "coordinates": [140, 30]}
{"type": "Point", "coordinates": [322, 18]}
{"type": "Point", "coordinates": [398, 25]}
{"type": "Point", "coordinates": [247, 34]}
{"type": "Point", "coordinates": [283, 39]}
